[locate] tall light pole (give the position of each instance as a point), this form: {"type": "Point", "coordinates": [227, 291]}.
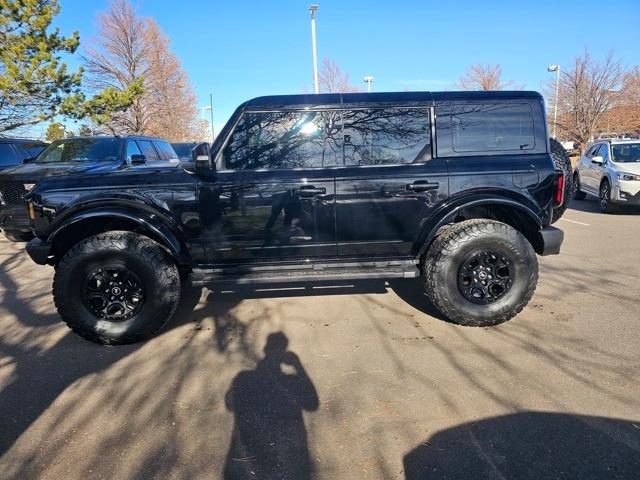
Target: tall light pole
{"type": "Point", "coordinates": [213, 134]}
{"type": "Point", "coordinates": [555, 68]}
{"type": "Point", "coordinates": [313, 9]}
{"type": "Point", "coordinates": [368, 80]}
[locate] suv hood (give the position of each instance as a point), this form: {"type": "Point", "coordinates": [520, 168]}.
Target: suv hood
{"type": "Point", "coordinates": [37, 171]}
{"type": "Point", "coordinates": [633, 168]}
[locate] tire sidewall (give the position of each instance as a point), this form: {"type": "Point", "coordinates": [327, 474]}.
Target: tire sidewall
{"type": "Point", "coordinates": [523, 266]}
{"type": "Point", "coordinates": [157, 305]}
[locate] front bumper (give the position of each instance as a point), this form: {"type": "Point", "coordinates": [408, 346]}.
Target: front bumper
{"type": "Point", "coordinates": [627, 193]}
{"type": "Point", "coordinates": [550, 239]}
{"type": "Point", "coordinates": [39, 251]}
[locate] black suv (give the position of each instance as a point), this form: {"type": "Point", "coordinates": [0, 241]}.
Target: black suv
{"type": "Point", "coordinates": [456, 188]}
{"type": "Point", "coordinates": [16, 151]}
{"type": "Point", "coordinates": [88, 155]}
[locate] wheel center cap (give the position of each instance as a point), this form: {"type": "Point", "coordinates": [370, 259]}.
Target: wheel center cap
{"type": "Point", "coordinates": [116, 291]}
{"type": "Point", "coordinates": [482, 275]}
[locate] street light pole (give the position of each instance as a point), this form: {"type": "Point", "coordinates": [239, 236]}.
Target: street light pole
{"type": "Point", "coordinates": [368, 80]}
{"type": "Point", "coordinates": [313, 9]}
{"type": "Point", "coordinates": [555, 68]}
{"type": "Point", "coordinates": [213, 135]}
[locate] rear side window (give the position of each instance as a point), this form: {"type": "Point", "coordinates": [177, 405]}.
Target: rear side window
{"type": "Point", "coordinates": [386, 136]}
{"type": "Point", "coordinates": [7, 155]}
{"type": "Point", "coordinates": [295, 139]}
{"type": "Point", "coordinates": [148, 151]}
{"type": "Point", "coordinates": [166, 150]}
{"type": "Point", "coordinates": [492, 127]}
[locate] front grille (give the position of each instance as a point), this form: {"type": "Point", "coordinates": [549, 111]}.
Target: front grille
{"type": "Point", "coordinates": [13, 193]}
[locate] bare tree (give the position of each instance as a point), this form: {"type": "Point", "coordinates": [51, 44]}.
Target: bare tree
{"type": "Point", "coordinates": [332, 80]}
{"type": "Point", "coordinates": [624, 114]}
{"type": "Point", "coordinates": [129, 47]}
{"type": "Point", "coordinates": [588, 89]}
{"type": "Point", "coordinates": [484, 77]}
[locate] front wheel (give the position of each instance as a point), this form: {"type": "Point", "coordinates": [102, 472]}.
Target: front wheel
{"type": "Point", "coordinates": [577, 194]}
{"type": "Point", "coordinates": [606, 206]}
{"type": "Point", "coordinates": [480, 272]}
{"type": "Point", "coordinates": [116, 287]}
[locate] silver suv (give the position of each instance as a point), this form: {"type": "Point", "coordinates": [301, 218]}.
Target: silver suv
{"type": "Point", "coordinates": [610, 170]}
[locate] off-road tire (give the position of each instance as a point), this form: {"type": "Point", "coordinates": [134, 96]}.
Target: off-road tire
{"type": "Point", "coordinates": [562, 162]}
{"type": "Point", "coordinates": [157, 272]}
{"type": "Point", "coordinates": [604, 198]}
{"type": "Point", "coordinates": [459, 242]}
{"type": "Point", "coordinates": [577, 194]}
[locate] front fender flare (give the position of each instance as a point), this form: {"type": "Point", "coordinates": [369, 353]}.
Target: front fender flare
{"type": "Point", "coordinates": [158, 229]}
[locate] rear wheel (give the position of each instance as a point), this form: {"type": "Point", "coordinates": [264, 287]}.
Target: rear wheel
{"type": "Point", "coordinates": [577, 194]}
{"type": "Point", "coordinates": [605, 198]}
{"type": "Point", "coordinates": [116, 287]}
{"type": "Point", "coordinates": [480, 272]}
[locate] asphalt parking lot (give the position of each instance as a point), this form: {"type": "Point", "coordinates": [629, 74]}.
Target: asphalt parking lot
{"type": "Point", "coordinates": [383, 388]}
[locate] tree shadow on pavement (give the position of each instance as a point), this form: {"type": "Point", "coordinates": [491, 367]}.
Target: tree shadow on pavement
{"type": "Point", "coordinates": [269, 438]}
{"type": "Point", "coordinates": [530, 446]}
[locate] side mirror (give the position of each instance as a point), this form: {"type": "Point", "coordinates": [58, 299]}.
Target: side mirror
{"type": "Point", "coordinates": [597, 160]}
{"type": "Point", "coordinates": [29, 159]}
{"type": "Point", "coordinates": [137, 159]}
{"type": "Point", "coordinates": [202, 159]}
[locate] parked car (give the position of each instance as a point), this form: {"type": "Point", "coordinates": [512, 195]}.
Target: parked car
{"type": "Point", "coordinates": [456, 187]}
{"type": "Point", "coordinates": [609, 170]}
{"type": "Point", "coordinates": [89, 155]}
{"type": "Point", "coordinates": [185, 149]}
{"type": "Point", "coordinates": [15, 151]}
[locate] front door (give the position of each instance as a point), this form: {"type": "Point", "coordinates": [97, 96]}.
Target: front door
{"type": "Point", "coordinates": [273, 197]}
{"type": "Point", "coordinates": [388, 181]}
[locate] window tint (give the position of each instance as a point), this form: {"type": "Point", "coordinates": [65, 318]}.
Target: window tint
{"type": "Point", "coordinates": [386, 136]}
{"type": "Point", "coordinates": [132, 149]}
{"type": "Point", "coordinates": [166, 150]}
{"type": "Point", "coordinates": [148, 151]}
{"type": "Point", "coordinates": [302, 139]}
{"type": "Point", "coordinates": [7, 155]}
{"type": "Point", "coordinates": [492, 127]}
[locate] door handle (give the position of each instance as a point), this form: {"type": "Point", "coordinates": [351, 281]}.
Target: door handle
{"type": "Point", "coordinates": [422, 186]}
{"type": "Point", "coordinates": [310, 190]}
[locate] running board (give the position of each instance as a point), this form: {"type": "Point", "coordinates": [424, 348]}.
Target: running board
{"type": "Point", "coordinates": [249, 275]}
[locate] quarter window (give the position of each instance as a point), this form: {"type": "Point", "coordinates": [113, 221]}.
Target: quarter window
{"type": "Point", "coordinates": [296, 139]}
{"type": "Point", "coordinates": [386, 136]}
{"type": "Point", "coordinates": [492, 127]}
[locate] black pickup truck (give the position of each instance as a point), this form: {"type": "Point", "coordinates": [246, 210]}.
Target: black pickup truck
{"type": "Point", "coordinates": [457, 188]}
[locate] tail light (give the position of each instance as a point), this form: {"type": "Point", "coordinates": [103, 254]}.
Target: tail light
{"type": "Point", "coordinates": [559, 189]}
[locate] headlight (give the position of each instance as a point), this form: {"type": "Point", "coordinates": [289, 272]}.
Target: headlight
{"type": "Point", "coordinates": [28, 186]}
{"type": "Point", "coordinates": [627, 177]}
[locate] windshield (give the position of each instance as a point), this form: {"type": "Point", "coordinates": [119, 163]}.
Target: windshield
{"type": "Point", "coordinates": [183, 149]}
{"type": "Point", "coordinates": [625, 152]}
{"type": "Point", "coordinates": [80, 150]}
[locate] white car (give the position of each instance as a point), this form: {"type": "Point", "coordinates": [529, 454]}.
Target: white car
{"type": "Point", "coordinates": [610, 170]}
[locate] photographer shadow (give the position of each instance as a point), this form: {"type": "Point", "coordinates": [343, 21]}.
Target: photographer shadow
{"type": "Point", "coordinates": [269, 438]}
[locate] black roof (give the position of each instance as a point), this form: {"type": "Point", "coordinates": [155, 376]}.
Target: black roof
{"type": "Point", "coordinates": [123, 137]}
{"type": "Point", "coordinates": [283, 101]}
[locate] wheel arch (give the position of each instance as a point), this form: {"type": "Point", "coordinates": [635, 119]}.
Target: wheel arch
{"type": "Point", "coordinates": [86, 224]}
{"type": "Point", "coordinates": [511, 212]}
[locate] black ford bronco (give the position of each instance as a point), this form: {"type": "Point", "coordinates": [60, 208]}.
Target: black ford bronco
{"type": "Point", "coordinates": [456, 188]}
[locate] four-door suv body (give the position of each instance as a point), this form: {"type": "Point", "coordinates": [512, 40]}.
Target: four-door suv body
{"type": "Point", "coordinates": [458, 188]}
{"type": "Point", "coordinates": [87, 155]}
{"type": "Point", "coordinates": [610, 170]}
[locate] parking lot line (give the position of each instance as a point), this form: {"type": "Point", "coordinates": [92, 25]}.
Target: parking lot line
{"type": "Point", "coordinates": [576, 222]}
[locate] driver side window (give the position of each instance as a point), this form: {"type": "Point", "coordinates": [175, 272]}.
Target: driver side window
{"type": "Point", "coordinates": [604, 153]}
{"type": "Point", "coordinates": [132, 149]}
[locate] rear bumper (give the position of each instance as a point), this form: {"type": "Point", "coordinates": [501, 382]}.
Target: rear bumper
{"type": "Point", "coordinates": [39, 251]}
{"type": "Point", "coordinates": [551, 239]}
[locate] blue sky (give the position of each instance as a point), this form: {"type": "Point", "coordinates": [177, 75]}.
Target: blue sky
{"type": "Point", "coordinates": [242, 49]}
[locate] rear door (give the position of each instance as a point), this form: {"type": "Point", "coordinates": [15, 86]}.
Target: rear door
{"type": "Point", "coordinates": [388, 181]}
{"type": "Point", "coordinates": [272, 198]}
